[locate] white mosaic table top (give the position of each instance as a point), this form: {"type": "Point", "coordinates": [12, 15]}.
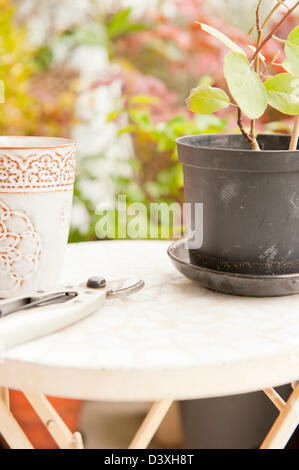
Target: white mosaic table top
{"type": "Point", "coordinates": [173, 339]}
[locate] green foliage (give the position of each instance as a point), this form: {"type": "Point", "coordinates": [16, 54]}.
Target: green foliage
{"type": "Point", "coordinates": [245, 80]}
{"type": "Point", "coordinates": [283, 89]}
{"type": "Point", "coordinates": [283, 93]}
{"type": "Point", "coordinates": [205, 99]}
{"type": "Point", "coordinates": [103, 30]}
{"type": "Point", "coordinates": [292, 50]}
{"type": "Point", "coordinates": [121, 24]}
{"type": "Point", "coordinates": [43, 57]}
{"type": "Point", "coordinates": [158, 175]}
{"type": "Point", "coordinates": [29, 107]}
{"type": "Point", "coordinates": [245, 85]}
{"type": "Point", "coordinates": [18, 113]}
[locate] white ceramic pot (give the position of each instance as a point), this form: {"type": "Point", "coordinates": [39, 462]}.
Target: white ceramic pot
{"type": "Point", "coordinates": [36, 190]}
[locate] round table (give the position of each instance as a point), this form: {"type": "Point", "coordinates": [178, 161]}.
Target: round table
{"type": "Point", "coordinates": [172, 340]}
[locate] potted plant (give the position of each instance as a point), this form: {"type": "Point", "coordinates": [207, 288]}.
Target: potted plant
{"type": "Point", "coordinates": [248, 183]}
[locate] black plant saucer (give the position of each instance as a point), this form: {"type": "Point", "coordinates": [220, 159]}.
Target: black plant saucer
{"type": "Point", "coordinates": [232, 283]}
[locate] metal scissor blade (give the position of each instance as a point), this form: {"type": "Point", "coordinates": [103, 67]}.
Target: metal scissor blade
{"type": "Point", "coordinates": [123, 287]}
{"type": "Point", "coordinates": [26, 303]}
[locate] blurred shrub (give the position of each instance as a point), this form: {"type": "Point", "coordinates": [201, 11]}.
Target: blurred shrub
{"type": "Point", "coordinates": [151, 107]}
{"type": "Point", "coordinates": [154, 64]}
{"type": "Point", "coordinates": [34, 103]}
{"type": "Point", "coordinates": [158, 58]}
{"type": "Point", "coordinates": [156, 173]}
{"type": "Point", "coordinates": [19, 114]}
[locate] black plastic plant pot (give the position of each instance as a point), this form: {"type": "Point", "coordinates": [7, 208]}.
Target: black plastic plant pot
{"type": "Point", "coordinates": [250, 202]}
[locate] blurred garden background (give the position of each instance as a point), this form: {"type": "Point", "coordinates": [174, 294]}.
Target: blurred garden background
{"type": "Point", "coordinates": [114, 75]}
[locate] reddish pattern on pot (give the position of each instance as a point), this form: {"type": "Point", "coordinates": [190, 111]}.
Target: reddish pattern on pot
{"type": "Point", "coordinates": [37, 170]}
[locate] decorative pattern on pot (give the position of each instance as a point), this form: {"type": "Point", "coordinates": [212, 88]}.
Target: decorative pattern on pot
{"type": "Point", "coordinates": [36, 190]}
{"type": "Point", "coordinates": [20, 249]}
{"type": "Point", "coordinates": [33, 171]}
{"type": "Point", "coordinates": [65, 213]}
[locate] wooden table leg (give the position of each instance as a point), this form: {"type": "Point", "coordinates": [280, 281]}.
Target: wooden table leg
{"type": "Point", "coordinates": [150, 424]}
{"type": "Point", "coordinates": [4, 396]}
{"type": "Point", "coordinates": [11, 431]}
{"type": "Point", "coordinates": [285, 424]}
{"type": "Point", "coordinates": [275, 398]}
{"type": "Point", "coordinates": [170, 434]}
{"type": "Point", "coordinates": [61, 434]}
{"type": "Point", "coordinates": [16, 438]}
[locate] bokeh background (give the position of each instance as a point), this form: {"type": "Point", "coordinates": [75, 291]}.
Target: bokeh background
{"type": "Point", "coordinates": [113, 75]}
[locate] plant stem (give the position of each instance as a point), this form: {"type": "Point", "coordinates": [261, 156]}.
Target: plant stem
{"type": "Point", "coordinates": [252, 140]}
{"type": "Point", "coordinates": [255, 146]}
{"type": "Point", "coordinates": [278, 4]}
{"type": "Point", "coordinates": [274, 30]}
{"type": "Point", "coordinates": [257, 16]}
{"type": "Point", "coordinates": [257, 59]}
{"type": "Point", "coordinates": [295, 135]}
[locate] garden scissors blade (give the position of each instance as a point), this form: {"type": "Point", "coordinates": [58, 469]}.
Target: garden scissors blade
{"type": "Point", "coordinates": [25, 303]}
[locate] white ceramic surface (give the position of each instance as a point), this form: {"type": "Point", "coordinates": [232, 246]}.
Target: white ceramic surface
{"type": "Point", "coordinates": [36, 188]}
{"type": "Point", "coordinates": [172, 339]}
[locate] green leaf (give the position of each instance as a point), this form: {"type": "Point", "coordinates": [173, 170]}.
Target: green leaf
{"type": "Point", "coordinates": [222, 37]}
{"type": "Point", "coordinates": [205, 99]}
{"type": "Point", "coordinates": [245, 85]}
{"type": "Point", "coordinates": [120, 24]}
{"type": "Point", "coordinates": [292, 50]}
{"type": "Point", "coordinates": [283, 93]}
